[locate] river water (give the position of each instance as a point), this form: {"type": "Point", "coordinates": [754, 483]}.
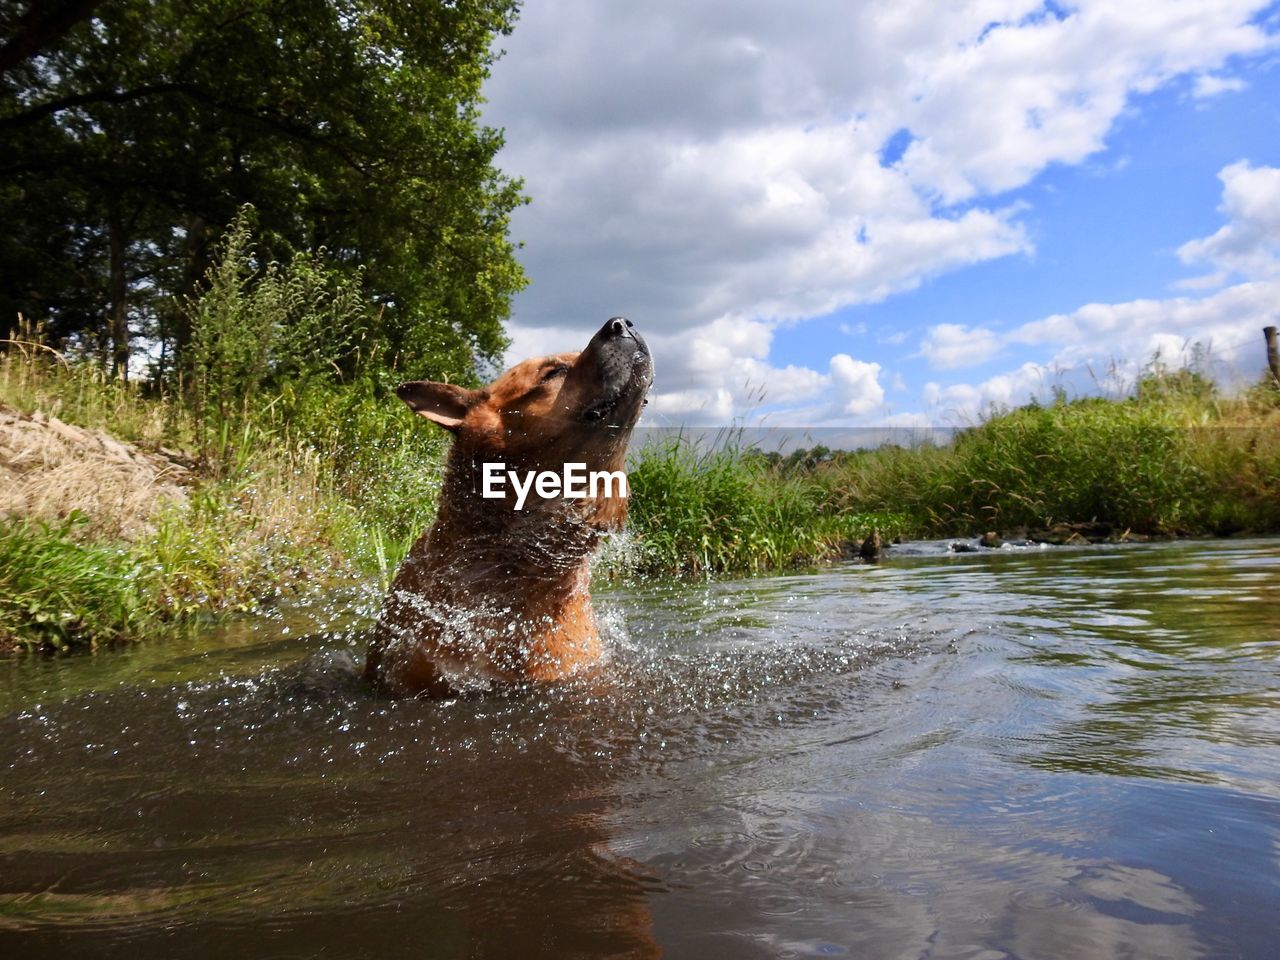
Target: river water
{"type": "Point", "coordinates": [1069, 752]}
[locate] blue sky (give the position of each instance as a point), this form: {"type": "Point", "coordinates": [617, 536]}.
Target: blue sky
{"type": "Point", "coordinates": [895, 213]}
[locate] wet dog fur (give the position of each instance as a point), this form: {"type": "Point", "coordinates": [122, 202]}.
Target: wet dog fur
{"type": "Point", "coordinates": [491, 594]}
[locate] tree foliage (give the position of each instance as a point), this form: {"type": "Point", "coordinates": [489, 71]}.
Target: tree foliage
{"type": "Point", "coordinates": [131, 133]}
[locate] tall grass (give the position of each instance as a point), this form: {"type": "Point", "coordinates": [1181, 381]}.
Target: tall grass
{"type": "Point", "coordinates": [290, 369]}
{"type": "Point", "coordinates": [1168, 461]}
{"type": "Point", "coordinates": [721, 507]}
{"type": "Point", "coordinates": [327, 479]}
{"type": "Point", "coordinates": [271, 511]}
{"type": "Point", "coordinates": [1174, 459]}
{"type": "Point", "coordinates": [57, 592]}
{"type": "Point", "coordinates": [35, 376]}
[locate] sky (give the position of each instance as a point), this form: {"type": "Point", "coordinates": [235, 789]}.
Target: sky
{"type": "Point", "coordinates": [895, 214]}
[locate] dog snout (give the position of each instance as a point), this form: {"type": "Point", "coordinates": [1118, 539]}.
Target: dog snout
{"type": "Point", "coordinates": [617, 350]}
{"type": "Point", "coordinates": [617, 334]}
{"type": "Point", "coordinates": [618, 327]}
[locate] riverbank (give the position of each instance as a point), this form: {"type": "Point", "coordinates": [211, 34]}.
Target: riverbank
{"type": "Point", "coordinates": [125, 517]}
{"type": "Point", "coordinates": [1173, 460]}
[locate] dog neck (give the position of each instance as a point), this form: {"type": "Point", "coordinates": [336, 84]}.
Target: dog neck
{"type": "Point", "coordinates": [544, 540]}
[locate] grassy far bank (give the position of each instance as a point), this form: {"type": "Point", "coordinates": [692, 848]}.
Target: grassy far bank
{"type": "Point", "coordinates": [302, 466]}
{"type": "Point", "coordinates": [1175, 459]}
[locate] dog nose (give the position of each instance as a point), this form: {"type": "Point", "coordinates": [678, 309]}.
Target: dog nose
{"type": "Point", "coordinates": [618, 327]}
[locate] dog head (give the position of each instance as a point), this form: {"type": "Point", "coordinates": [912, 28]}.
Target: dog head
{"type": "Point", "coordinates": [544, 412]}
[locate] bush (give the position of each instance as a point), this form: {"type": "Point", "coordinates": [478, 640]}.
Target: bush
{"type": "Point", "coordinates": [309, 468]}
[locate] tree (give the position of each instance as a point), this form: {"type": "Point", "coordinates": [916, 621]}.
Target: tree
{"type": "Point", "coordinates": [31, 30]}
{"type": "Point", "coordinates": [131, 132]}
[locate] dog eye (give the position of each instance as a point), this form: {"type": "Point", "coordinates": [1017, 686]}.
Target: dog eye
{"type": "Point", "coordinates": [557, 371]}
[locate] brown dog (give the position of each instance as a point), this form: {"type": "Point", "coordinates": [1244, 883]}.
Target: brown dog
{"type": "Point", "coordinates": [493, 593]}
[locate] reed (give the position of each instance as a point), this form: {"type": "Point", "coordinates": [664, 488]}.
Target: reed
{"type": "Point", "coordinates": [34, 376]}
{"type": "Point", "coordinates": [1174, 459]}
{"type": "Point", "coordinates": [56, 592]}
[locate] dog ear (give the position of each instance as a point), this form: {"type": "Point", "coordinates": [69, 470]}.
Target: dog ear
{"type": "Point", "coordinates": [443, 403]}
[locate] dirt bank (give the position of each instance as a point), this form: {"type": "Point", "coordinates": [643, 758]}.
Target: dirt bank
{"type": "Point", "coordinates": [49, 468]}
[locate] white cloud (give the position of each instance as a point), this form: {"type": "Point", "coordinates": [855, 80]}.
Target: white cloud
{"type": "Point", "coordinates": [951, 345]}
{"type": "Point", "coordinates": [850, 395]}
{"type": "Point", "coordinates": [1208, 281]}
{"type": "Point", "coordinates": [1249, 244]}
{"type": "Point", "coordinates": [961, 404]}
{"type": "Point", "coordinates": [714, 170]}
{"type": "Point", "coordinates": [1211, 85]}
{"type": "Point", "coordinates": [1107, 345]}
{"type": "Point", "coordinates": [724, 342]}
{"type": "Point", "coordinates": [856, 385]}
{"type": "Point", "coordinates": [1039, 89]}
{"type": "Point", "coordinates": [717, 373]}
{"type": "Point", "coordinates": [713, 406]}
{"type": "Point", "coordinates": [540, 341]}
{"type": "Point", "coordinates": [786, 385]}
{"type": "Point", "coordinates": [777, 223]}
{"type": "Point", "coordinates": [1126, 329]}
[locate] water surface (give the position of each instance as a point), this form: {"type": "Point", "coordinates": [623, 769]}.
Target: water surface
{"type": "Point", "coordinates": [1052, 753]}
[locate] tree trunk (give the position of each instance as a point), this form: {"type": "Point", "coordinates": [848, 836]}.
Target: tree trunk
{"type": "Point", "coordinates": [118, 322]}
{"type": "Point", "coordinates": [1273, 353]}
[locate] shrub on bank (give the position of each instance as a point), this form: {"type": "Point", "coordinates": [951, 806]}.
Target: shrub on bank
{"type": "Point", "coordinates": [57, 592]}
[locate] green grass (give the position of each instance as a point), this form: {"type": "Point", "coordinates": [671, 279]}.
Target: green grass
{"type": "Point", "coordinates": [724, 509]}
{"type": "Point", "coordinates": [58, 592]}
{"type": "Point", "coordinates": [307, 467]}
{"type": "Point", "coordinates": [1158, 464]}
{"type": "Point", "coordinates": [310, 489]}
{"type": "Point", "coordinates": [34, 377]}
{"type": "Point", "coordinates": [1173, 460]}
